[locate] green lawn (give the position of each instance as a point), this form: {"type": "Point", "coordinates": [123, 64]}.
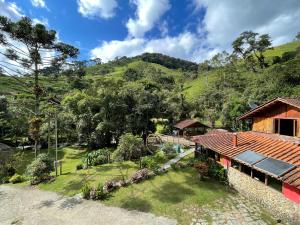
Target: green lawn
{"type": "Point", "coordinates": [172, 194]}
{"type": "Point", "coordinates": [169, 194]}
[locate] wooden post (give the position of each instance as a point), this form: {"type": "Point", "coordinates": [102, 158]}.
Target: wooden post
{"type": "Point", "coordinates": [266, 179]}
{"type": "Point", "coordinates": [240, 167]}
{"type": "Point", "coordinates": [60, 167]}
{"type": "Point", "coordinates": [251, 173]}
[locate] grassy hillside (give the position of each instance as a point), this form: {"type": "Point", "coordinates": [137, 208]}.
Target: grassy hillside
{"type": "Point", "coordinates": [279, 50]}
{"type": "Point", "coordinates": [193, 87]}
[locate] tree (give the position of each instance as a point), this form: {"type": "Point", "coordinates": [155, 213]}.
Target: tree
{"type": "Point", "coordinates": [298, 36]}
{"type": "Point", "coordinates": [38, 42]}
{"type": "Point", "coordinates": [249, 45]}
{"type": "Point", "coordinates": [130, 147]}
{"type": "Point", "coordinates": [4, 116]}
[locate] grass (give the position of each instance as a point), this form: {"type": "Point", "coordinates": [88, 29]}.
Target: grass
{"type": "Point", "coordinates": [169, 194]}
{"type": "Point", "coordinates": [279, 50]}
{"type": "Point", "coordinates": [174, 194]}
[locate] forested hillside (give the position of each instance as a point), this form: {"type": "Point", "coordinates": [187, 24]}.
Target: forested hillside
{"type": "Point", "coordinates": [101, 101]}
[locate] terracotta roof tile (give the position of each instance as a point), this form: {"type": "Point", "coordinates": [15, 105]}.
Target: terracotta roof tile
{"type": "Point", "coordinates": [272, 145]}
{"type": "Point", "coordinates": [188, 123]}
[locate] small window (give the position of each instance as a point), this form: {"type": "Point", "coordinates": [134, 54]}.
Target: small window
{"type": "Point", "coordinates": [285, 127]}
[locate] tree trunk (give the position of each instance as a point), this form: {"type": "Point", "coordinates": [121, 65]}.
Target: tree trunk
{"type": "Point", "coordinates": [37, 98]}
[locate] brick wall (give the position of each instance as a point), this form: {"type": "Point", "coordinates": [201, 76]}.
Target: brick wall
{"type": "Point", "coordinates": [281, 207]}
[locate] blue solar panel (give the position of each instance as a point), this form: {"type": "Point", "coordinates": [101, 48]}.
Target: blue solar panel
{"type": "Point", "coordinates": [249, 157]}
{"type": "Point", "coordinates": [274, 167]}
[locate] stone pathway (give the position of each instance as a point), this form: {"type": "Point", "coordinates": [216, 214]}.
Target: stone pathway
{"type": "Point", "coordinates": [177, 158]}
{"type": "Point", "coordinates": [28, 206]}
{"type": "Point", "coordinates": [234, 210]}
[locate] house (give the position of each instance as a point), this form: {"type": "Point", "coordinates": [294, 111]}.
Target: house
{"type": "Point", "coordinates": [264, 163]}
{"type": "Point", "coordinates": [189, 127]}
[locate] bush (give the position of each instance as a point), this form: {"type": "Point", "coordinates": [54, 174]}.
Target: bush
{"type": "Point", "coordinates": [169, 150]}
{"type": "Point", "coordinates": [39, 170]}
{"type": "Point", "coordinates": [202, 168]}
{"type": "Point", "coordinates": [98, 193]}
{"type": "Point", "coordinates": [160, 156]}
{"type": "Point", "coordinates": [16, 179]}
{"type": "Point", "coordinates": [149, 163]}
{"type": "Point", "coordinates": [96, 158]}
{"type": "Point", "coordinates": [130, 147]}
{"type": "Point", "coordinates": [217, 171]}
{"type": "Point", "coordinates": [85, 190]}
{"type": "Point", "coordinates": [79, 166]}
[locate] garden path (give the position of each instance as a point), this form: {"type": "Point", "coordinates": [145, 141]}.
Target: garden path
{"type": "Point", "coordinates": [177, 158]}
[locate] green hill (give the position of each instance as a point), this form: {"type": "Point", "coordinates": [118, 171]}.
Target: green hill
{"type": "Point", "coordinates": [115, 69]}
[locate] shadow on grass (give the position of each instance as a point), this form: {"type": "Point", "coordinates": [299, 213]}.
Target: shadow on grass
{"type": "Point", "coordinates": [134, 203]}
{"type": "Point", "coordinates": [172, 192]}
{"type": "Point", "coordinates": [73, 186]}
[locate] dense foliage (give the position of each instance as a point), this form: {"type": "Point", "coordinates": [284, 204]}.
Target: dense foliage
{"type": "Point", "coordinates": [169, 62]}
{"type": "Point", "coordinates": [39, 170]}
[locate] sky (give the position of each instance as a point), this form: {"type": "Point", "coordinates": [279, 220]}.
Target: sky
{"type": "Point", "coordinates": [189, 29]}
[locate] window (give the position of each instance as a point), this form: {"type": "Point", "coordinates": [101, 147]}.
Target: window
{"type": "Point", "coordinates": [285, 127]}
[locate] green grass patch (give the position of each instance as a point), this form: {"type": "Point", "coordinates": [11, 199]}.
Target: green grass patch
{"type": "Point", "coordinates": [170, 194]}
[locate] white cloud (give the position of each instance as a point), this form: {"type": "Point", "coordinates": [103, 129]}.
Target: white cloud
{"type": "Point", "coordinates": [186, 45]}
{"type": "Point", "coordinates": [97, 8]}
{"type": "Point", "coordinates": [225, 20]}
{"type": "Point", "coordinates": [147, 15]}
{"type": "Point", "coordinates": [10, 10]}
{"type": "Point", "coordinates": [39, 3]}
{"type": "Point", "coordinates": [43, 21]}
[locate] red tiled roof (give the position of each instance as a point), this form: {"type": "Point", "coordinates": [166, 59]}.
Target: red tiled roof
{"type": "Point", "coordinates": [188, 123]}
{"type": "Point", "coordinates": [289, 101]}
{"type": "Point", "coordinates": [276, 146]}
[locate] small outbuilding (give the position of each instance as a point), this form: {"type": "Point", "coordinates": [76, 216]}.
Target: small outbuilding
{"type": "Point", "coordinates": [190, 127]}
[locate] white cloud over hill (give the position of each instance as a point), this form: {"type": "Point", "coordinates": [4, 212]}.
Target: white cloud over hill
{"type": "Point", "coordinates": [223, 22]}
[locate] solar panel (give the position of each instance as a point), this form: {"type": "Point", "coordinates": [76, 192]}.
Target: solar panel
{"type": "Point", "coordinates": [274, 167]}
{"type": "Point", "coordinates": [249, 157]}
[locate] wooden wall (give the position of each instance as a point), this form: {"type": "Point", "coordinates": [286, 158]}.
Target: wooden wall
{"type": "Point", "coordinates": [264, 121]}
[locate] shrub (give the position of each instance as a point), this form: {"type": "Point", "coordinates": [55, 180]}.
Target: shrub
{"type": "Point", "coordinates": [130, 147]}
{"type": "Point", "coordinates": [39, 170]}
{"type": "Point", "coordinates": [85, 190]}
{"type": "Point", "coordinates": [202, 168]}
{"type": "Point", "coordinates": [172, 155]}
{"type": "Point", "coordinates": [160, 156]}
{"type": "Point", "coordinates": [79, 166]}
{"type": "Point", "coordinates": [181, 165]}
{"type": "Point", "coordinates": [217, 171]}
{"type": "Point", "coordinates": [168, 149]}
{"type": "Point", "coordinates": [97, 157]}
{"type": "Point", "coordinates": [16, 179]}
{"type": "Point", "coordinates": [149, 163]}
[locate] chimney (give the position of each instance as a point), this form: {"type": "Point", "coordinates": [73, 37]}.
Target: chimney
{"type": "Point", "coordinates": [235, 141]}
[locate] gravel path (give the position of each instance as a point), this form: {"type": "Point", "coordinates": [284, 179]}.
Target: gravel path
{"type": "Point", "coordinates": [29, 206]}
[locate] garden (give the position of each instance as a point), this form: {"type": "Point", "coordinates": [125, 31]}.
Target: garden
{"type": "Point", "coordinates": [131, 179]}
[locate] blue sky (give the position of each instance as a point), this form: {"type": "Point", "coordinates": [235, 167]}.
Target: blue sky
{"type": "Point", "coordinates": [189, 29]}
